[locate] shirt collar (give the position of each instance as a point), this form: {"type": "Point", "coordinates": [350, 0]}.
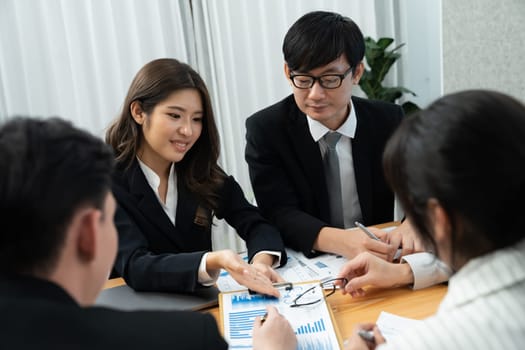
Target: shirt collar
{"type": "Point", "coordinates": [152, 178]}
{"type": "Point", "coordinates": [318, 130]}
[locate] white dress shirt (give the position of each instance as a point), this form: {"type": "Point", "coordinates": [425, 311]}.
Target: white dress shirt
{"type": "Point", "coordinates": [351, 206]}
{"type": "Point", "coordinates": [484, 307]}
{"type": "Point", "coordinates": [170, 207]}
{"type": "Point", "coordinates": [426, 268]}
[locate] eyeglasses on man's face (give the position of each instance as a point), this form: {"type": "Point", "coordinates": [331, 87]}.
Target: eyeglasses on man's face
{"type": "Point", "coordinates": [327, 81]}
{"type": "Point", "coordinates": [317, 293]}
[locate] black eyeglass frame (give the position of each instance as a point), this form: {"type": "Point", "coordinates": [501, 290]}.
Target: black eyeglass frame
{"type": "Point", "coordinates": [320, 79]}
{"type": "Point", "coordinates": [332, 291]}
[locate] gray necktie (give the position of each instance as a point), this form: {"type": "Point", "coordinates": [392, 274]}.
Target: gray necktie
{"type": "Point", "coordinates": [333, 179]}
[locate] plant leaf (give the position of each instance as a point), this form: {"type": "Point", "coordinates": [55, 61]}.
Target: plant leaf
{"type": "Point", "coordinates": [380, 60]}
{"type": "Point", "coordinates": [383, 43]}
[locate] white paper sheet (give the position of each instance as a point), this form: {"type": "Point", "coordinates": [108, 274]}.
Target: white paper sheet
{"type": "Point", "coordinates": [392, 325]}
{"type": "Point", "coordinates": [312, 323]}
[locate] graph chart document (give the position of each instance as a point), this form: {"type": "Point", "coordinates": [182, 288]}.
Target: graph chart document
{"type": "Point", "coordinates": [313, 324]}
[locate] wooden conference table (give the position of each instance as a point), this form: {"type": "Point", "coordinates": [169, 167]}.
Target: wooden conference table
{"type": "Point", "coordinates": [350, 311]}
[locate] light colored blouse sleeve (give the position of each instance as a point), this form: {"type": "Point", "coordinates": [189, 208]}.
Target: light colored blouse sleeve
{"type": "Point", "coordinates": [428, 270]}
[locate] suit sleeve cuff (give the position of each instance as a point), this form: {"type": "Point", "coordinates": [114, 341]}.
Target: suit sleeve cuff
{"type": "Point", "coordinates": [277, 262]}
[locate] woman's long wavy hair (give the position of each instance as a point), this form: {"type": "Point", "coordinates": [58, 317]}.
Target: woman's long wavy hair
{"type": "Point", "coordinates": [153, 84]}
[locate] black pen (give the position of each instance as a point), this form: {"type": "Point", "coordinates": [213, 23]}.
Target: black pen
{"type": "Point", "coordinates": [263, 317]}
{"type": "Point", "coordinates": [367, 335]}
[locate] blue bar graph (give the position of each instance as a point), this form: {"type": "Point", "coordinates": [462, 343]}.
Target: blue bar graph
{"type": "Point", "coordinates": [313, 327]}
{"type": "Point", "coordinates": [313, 336]}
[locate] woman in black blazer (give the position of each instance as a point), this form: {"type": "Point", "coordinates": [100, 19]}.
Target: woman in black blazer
{"type": "Point", "coordinates": [169, 186]}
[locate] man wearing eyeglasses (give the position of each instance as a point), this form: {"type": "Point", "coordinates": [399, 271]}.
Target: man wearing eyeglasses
{"type": "Point", "coordinates": [315, 158]}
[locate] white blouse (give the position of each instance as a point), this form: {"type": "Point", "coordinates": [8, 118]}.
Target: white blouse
{"type": "Point", "coordinates": [170, 207]}
{"type": "Point", "coordinates": [484, 307]}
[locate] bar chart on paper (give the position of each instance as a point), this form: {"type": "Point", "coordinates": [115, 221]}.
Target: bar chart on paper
{"type": "Point", "coordinates": [313, 336]}
{"type": "Point", "coordinates": [315, 327]}
{"type": "Point", "coordinates": [312, 324]}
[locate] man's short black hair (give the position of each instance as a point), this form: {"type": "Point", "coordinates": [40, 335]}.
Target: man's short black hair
{"type": "Point", "coordinates": [320, 37]}
{"type": "Point", "coordinates": [48, 170]}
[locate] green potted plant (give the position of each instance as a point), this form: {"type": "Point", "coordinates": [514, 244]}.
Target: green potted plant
{"type": "Point", "coordinates": [379, 61]}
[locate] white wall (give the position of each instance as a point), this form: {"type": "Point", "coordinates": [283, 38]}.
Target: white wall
{"type": "Point", "coordinates": [483, 45]}
{"type": "Point", "coordinates": [421, 64]}
{"type": "Point", "coordinates": [108, 40]}
{"type": "Point", "coordinates": [417, 24]}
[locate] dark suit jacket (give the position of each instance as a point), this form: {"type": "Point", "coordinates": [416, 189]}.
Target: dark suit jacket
{"type": "Point", "coordinates": [38, 314]}
{"type": "Point", "coordinates": [286, 168]}
{"type": "Point", "coordinates": [155, 255]}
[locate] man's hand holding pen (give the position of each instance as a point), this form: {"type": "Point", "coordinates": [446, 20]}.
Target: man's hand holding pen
{"type": "Point", "coordinates": [386, 239]}
{"type": "Point", "coordinates": [403, 236]}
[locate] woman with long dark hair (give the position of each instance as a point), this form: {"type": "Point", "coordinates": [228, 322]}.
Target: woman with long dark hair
{"type": "Point", "coordinates": [457, 167]}
{"type": "Point", "coordinates": [169, 187]}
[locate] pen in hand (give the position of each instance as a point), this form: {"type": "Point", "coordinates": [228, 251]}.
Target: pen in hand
{"type": "Point", "coordinates": [374, 237]}
{"type": "Point", "coordinates": [263, 317]}
{"type": "Point", "coordinates": [367, 335]}
{"type": "Point", "coordinates": [367, 231]}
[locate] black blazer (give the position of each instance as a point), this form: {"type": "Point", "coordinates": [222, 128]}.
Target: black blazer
{"type": "Point", "coordinates": [38, 314]}
{"type": "Point", "coordinates": [286, 168]}
{"type": "Point", "coordinates": [155, 255]}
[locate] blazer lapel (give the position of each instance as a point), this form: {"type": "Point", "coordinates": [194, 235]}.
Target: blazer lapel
{"type": "Point", "coordinates": [361, 144]}
{"type": "Point", "coordinates": [148, 202]}
{"type": "Point", "coordinates": [309, 157]}
{"type": "Point", "coordinates": [186, 208]}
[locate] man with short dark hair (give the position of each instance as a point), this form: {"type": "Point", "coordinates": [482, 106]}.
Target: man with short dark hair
{"type": "Point", "coordinates": [57, 246]}
{"type": "Point", "coordinates": [315, 157]}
